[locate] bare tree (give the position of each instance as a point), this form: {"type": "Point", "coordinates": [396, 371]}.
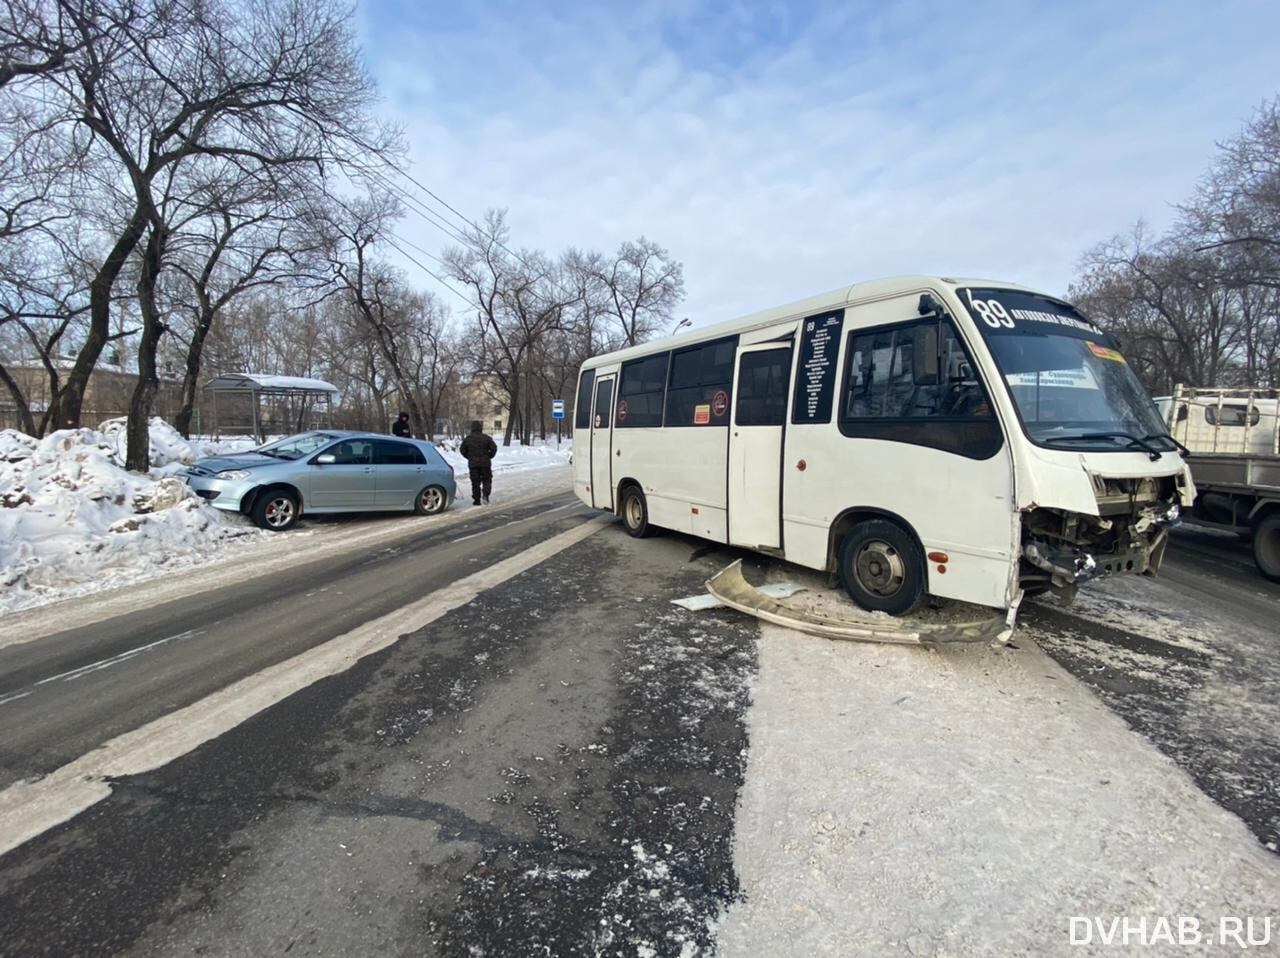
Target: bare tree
{"type": "Point", "coordinates": [1237, 203]}
{"type": "Point", "coordinates": [642, 285]}
{"type": "Point", "coordinates": [437, 356]}
{"type": "Point", "coordinates": [376, 290]}
{"type": "Point", "coordinates": [274, 84]}
{"type": "Point", "coordinates": [237, 237]}
{"type": "Point", "coordinates": [519, 298]}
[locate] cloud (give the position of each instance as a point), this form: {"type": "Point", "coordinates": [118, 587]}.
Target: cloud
{"type": "Point", "coordinates": [784, 149]}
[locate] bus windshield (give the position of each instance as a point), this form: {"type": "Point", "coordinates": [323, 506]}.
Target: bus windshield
{"type": "Point", "coordinates": [1070, 384]}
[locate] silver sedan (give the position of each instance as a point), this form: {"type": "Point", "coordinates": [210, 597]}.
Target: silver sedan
{"type": "Point", "coordinates": [326, 472]}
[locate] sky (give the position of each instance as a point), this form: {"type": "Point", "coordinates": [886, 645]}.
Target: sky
{"type": "Point", "coordinates": [780, 150]}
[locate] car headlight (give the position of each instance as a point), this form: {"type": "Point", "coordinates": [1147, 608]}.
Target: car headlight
{"type": "Point", "coordinates": [233, 474]}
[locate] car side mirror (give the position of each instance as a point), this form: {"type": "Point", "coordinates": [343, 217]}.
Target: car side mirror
{"type": "Point", "coordinates": [924, 355]}
{"type": "Point", "coordinates": [324, 459]}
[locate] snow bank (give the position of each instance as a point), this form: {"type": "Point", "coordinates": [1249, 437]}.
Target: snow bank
{"type": "Point", "coordinates": [73, 519]}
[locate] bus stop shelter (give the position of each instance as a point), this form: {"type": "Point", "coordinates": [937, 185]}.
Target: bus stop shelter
{"type": "Point", "coordinates": [274, 403]}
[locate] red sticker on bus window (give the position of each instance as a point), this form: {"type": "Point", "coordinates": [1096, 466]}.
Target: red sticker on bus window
{"type": "Point", "coordinates": [720, 403]}
{"type": "Point", "coordinates": [622, 410]}
{"type": "Point", "coordinates": [701, 415]}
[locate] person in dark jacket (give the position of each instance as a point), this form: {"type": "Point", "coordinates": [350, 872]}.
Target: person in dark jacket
{"type": "Point", "coordinates": [401, 426]}
{"type": "Point", "coordinates": [479, 450]}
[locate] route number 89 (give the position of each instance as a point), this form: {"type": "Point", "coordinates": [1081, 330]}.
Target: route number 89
{"type": "Point", "coordinates": [992, 312]}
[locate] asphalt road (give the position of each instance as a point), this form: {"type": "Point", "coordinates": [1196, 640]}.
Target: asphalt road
{"type": "Point", "coordinates": [551, 768]}
{"type": "Point", "coordinates": [1200, 677]}
{"type": "Point", "coordinates": [523, 773]}
{"type": "Point", "coordinates": [65, 693]}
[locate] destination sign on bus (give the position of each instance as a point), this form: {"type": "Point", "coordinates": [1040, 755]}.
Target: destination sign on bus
{"type": "Point", "coordinates": [816, 376]}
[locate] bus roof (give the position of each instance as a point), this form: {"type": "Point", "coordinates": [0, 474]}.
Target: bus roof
{"type": "Point", "coordinates": [873, 289]}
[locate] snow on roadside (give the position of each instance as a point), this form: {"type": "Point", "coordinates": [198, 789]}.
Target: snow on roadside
{"type": "Point", "coordinates": [901, 801]}
{"type": "Point", "coordinates": [74, 520]}
{"type": "Point", "coordinates": [513, 458]}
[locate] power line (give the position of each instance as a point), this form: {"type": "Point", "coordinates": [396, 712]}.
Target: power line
{"type": "Point", "coordinates": [417, 206]}
{"type": "Point", "coordinates": [392, 237]}
{"type": "Point", "coordinates": [420, 185]}
{"type": "Point", "coordinates": [520, 259]}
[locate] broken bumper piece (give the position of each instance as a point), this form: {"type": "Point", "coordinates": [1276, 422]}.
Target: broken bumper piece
{"type": "Point", "coordinates": [733, 590]}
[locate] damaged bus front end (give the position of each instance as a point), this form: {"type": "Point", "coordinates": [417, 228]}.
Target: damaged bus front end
{"type": "Point", "coordinates": [1098, 481]}
{"type": "Point", "coordinates": [1061, 549]}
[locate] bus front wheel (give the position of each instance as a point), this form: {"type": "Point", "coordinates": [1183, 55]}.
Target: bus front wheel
{"type": "Point", "coordinates": [880, 567]}
{"type": "Point", "coordinates": [635, 513]}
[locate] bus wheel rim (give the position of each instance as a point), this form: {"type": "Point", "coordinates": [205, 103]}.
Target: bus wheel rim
{"type": "Point", "coordinates": [634, 512]}
{"type": "Point", "coordinates": [879, 568]}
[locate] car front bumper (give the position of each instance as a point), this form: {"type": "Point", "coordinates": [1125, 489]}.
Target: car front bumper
{"type": "Point", "coordinates": [225, 494]}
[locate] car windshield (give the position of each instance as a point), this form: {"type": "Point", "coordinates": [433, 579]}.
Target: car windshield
{"type": "Point", "coordinates": [1071, 385]}
{"type": "Point", "coordinates": [295, 447]}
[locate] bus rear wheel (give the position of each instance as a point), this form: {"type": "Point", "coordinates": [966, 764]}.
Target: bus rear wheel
{"type": "Point", "coordinates": [635, 513]}
{"type": "Point", "coordinates": [880, 567]}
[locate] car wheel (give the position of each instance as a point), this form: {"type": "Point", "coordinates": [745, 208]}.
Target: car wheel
{"type": "Point", "coordinates": [635, 513]}
{"type": "Point", "coordinates": [1266, 546]}
{"type": "Point", "coordinates": [880, 567]}
{"type": "Point", "coordinates": [275, 510]}
{"type": "Point", "coordinates": [431, 500]}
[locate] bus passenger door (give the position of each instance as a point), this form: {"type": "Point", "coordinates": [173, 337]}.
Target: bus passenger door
{"type": "Point", "coordinates": [760, 389]}
{"type": "Point", "coordinates": [602, 445]}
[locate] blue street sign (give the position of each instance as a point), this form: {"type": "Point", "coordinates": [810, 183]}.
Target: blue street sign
{"type": "Point", "coordinates": [557, 409]}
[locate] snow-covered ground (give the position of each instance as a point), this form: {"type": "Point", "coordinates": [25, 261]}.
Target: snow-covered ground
{"type": "Point", "coordinates": [74, 521]}
{"type": "Point", "coordinates": [973, 800]}
{"type": "Point", "coordinates": [964, 802]}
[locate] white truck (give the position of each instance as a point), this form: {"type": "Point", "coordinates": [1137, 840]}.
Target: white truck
{"type": "Point", "coordinates": [1232, 440]}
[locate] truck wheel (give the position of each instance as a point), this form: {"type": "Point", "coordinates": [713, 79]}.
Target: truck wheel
{"type": "Point", "coordinates": [880, 567]}
{"type": "Point", "coordinates": [635, 513]}
{"type": "Point", "coordinates": [1266, 546]}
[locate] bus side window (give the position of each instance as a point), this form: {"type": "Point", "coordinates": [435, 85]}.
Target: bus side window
{"type": "Point", "coordinates": [762, 388]}
{"type": "Point", "coordinates": [582, 406]}
{"type": "Point", "coordinates": [641, 390]}
{"type": "Point", "coordinates": [700, 381]}
{"type": "Point", "coordinates": [882, 380]}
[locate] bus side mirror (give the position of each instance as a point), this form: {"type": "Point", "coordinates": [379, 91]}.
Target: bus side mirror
{"type": "Point", "coordinates": [924, 355]}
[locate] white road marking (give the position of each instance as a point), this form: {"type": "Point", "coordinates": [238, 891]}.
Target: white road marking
{"type": "Point", "coordinates": [485, 532]}
{"type": "Point", "coordinates": [117, 659]}
{"type": "Point", "coordinates": [30, 808]}
{"type": "Point", "coordinates": [15, 696]}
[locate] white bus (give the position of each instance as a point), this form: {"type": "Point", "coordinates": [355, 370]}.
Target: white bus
{"type": "Point", "coordinates": [968, 439]}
